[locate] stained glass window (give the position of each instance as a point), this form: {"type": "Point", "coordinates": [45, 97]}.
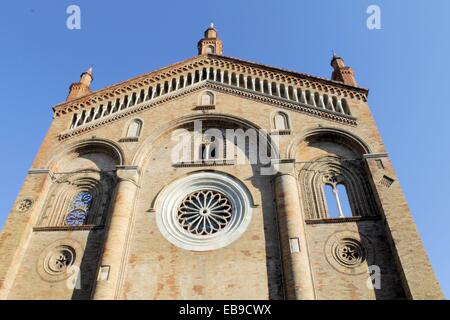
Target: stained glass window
{"type": "Point", "coordinates": [79, 209]}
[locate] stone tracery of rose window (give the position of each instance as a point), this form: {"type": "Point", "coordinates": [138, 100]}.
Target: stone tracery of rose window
{"type": "Point", "coordinates": [205, 212]}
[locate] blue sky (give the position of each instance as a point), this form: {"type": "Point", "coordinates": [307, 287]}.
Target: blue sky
{"type": "Point", "coordinates": [406, 66]}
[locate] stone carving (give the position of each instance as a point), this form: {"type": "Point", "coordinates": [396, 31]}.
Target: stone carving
{"type": "Point", "coordinates": [57, 259]}
{"type": "Point", "coordinates": [24, 205]}
{"type": "Point", "coordinates": [349, 252]}
{"type": "Point", "coordinates": [205, 212]}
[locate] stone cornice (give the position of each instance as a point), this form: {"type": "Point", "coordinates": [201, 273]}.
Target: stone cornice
{"type": "Point", "coordinates": [279, 102]}
{"type": "Point", "coordinates": [227, 63]}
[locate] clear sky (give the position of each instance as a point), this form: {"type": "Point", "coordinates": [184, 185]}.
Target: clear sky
{"type": "Point", "coordinates": [406, 66]}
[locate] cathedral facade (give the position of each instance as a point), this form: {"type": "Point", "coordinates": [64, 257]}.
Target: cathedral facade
{"type": "Point", "coordinates": [214, 178]}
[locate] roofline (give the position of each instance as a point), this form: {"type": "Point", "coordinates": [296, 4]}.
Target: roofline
{"type": "Point", "coordinates": [296, 74]}
{"type": "Point", "coordinates": [245, 62]}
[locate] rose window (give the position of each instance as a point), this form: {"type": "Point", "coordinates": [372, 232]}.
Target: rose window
{"type": "Point", "coordinates": [205, 212]}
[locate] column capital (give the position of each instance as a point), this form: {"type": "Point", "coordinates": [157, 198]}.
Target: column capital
{"type": "Point", "coordinates": [39, 171]}
{"type": "Point", "coordinates": [375, 155]}
{"type": "Point", "coordinates": [283, 167]}
{"type": "Point", "coordinates": [129, 173]}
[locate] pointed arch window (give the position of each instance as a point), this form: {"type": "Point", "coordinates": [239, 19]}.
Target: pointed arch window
{"type": "Point", "coordinates": [79, 209]}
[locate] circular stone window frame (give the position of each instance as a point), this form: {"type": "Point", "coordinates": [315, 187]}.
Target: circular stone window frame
{"type": "Point", "coordinates": [172, 196]}
{"type": "Point", "coordinates": [43, 269]}
{"type": "Point", "coordinates": [27, 202]}
{"type": "Point", "coordinates": [366, 247]}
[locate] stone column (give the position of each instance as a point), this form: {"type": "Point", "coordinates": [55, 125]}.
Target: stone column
{"type": "Point", "coordinates": [296, 268]}
{"type": "Point", "coordinates": [114, 251]}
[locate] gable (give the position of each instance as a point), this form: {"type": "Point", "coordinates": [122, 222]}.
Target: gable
{"type": "Point", "coordinates": [317, 98]}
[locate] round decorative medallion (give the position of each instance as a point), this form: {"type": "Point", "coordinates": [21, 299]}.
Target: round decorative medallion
{"type": "Point", "coordinates": [349, 252]}
{"type": "Point", "coordinates": [24, 205]}
{"type": "Point", "coordinates": [203, 211]}
{"type": "Point", "coordinates": [56, 260]}
{"type": "Point", "coordinates": [59, 259]}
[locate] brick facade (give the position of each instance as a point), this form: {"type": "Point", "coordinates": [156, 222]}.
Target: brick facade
{"type": "Point", "coordinates": [126, 244]}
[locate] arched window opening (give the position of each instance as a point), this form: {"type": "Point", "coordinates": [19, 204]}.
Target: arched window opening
{"type": "Point", "coordinates": [274, 89]}
{"type": "Point", "coordinates": [141, 96]}
{"type": "Point", "coordinates": [211, 74]}
{"type": "Point", "coordinates": [291, 93]}
{"type": "Point", "coordinates": [91, 116]}
{"type": "Point", "coordinates": [158, 90]}
{"type": "Point", "coordinates": [78, 210]}
{"type": "Point", "coordinates": [258, 85]}
{"type": "Point", "coordinates": [108, 108]}
{"type": "Point", "coordinates": [165, 88]}
{"type": "Point", "coordinates": [124, 103]}
{"type": "Point", "coordinates": [331, 203]}
{"type": "Point", "coordinates": [249, 83]}
{"type": "Point", "coordinates": [328, 102]}
{"type": "Point", "coordinates": [82, 117]}
{"type": "Point", "coordinates": [317, 100]}
{"type": "Point", "coordinates": [241, 81]}
{"type": "Point", "coordinates": [174, 84]}
{"type": "Point", "coordinates": [337, 201]}
{"type": "Point", "coordinates": [344, 200]}
{"type": "Point", "coordinates": [204, 74]}
{"type": "Point", "coordinates": [218, 75]}
{"type": "Point", "coordinates": [116, 106]}
{"type": "Point", "coordinates": [283, 91]}
{"type": "Point", "coordinates": [233, 79]}
{"type": "Point", "coordinates": [150, 93]}
{"type": "Point", "coordinates": [310, 98]}
{"type": "Point", "coordinates": [337, 105]}
{"type": "Point", "coordinates": [281, 121]}
{"type": "Point", "coordinates": [181, 82]}
{"type": "Point", "coordinates": [74, 121]}
{"type": "Point", "coordinates": [207, 99]}
{"type": "Point", "coordinates": [266, 87]}
{"type": "Point", "coordinates": [99, 112]}
{"type": "Point", "coordinates": [345, 107]}
{"type": "Point", "coordinates": [196, 76]}
{"type": "Point", "coordinates": [226, 78]}
{"type": "Point", "coordinates": [133, 99]}
{"type": "Point", "coordinates": [301, 95]}
{"type": "Point", "coordinates": [134, 129]}
{"type": "Point", "coordinates": [210, 50]}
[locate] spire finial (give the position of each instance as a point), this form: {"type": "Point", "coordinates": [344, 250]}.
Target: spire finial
{"type": "Point", "coordinates": [211, 24]}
